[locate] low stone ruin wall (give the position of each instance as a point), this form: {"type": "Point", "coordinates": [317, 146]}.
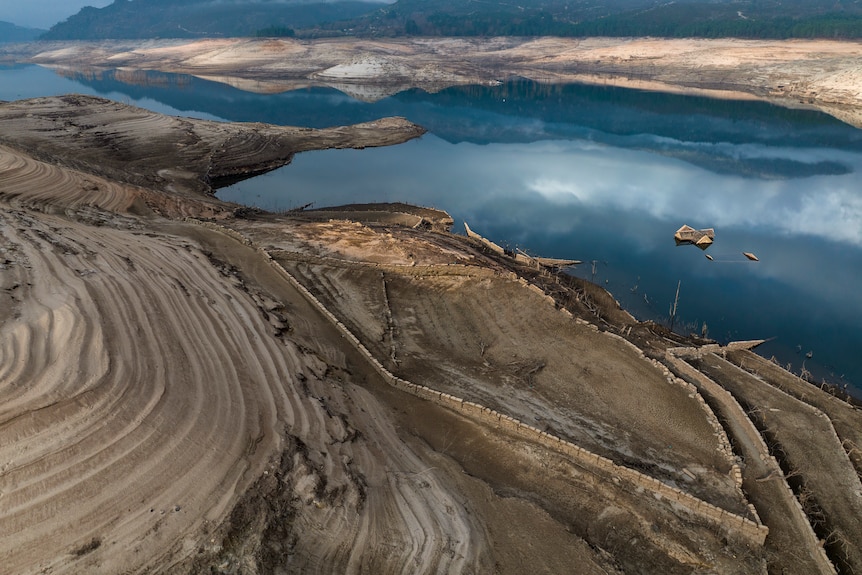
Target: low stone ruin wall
{"type": "Point", "coordinates": [732, 409]}
{"type": "Point", "coordinates": [733, 525]}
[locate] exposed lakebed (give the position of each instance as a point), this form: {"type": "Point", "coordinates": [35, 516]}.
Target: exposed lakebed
{"type": "Point", "coordinates": [604, 175]}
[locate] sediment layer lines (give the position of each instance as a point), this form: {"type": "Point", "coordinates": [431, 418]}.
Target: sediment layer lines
{"type": "Point", "coordinates": [28, 182]}
{"type": "Point", "coordinates": [142, 392]}
{"type": "Point", "coordinates": [129, 393]}
{"type": "Point", "coordinates": [158, 152]}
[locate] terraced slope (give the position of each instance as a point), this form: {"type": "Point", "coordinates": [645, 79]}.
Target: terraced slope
{"type": "Point", "coordinates": [572, 381]}
{"type": "Point", "coordinates": [814, 458]}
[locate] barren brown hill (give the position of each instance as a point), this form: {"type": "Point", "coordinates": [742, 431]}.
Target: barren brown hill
{"type": "Point", "coordinates": [191, 387]}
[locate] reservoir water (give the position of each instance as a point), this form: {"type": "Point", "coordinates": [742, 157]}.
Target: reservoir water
{"type": "Point", "coordinates": [600, 174]}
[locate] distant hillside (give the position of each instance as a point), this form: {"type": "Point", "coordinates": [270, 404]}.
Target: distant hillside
{"type": "Point", "coordinates": [202, 18]}
{"type": "Point", "coordinates": [578, 18]}
{"type": "Point", "coordinates": [682, 18]}
{"type": "Point", "coordinates": [12, 33]}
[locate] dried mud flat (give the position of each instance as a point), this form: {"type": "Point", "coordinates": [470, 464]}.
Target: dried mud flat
{"type": "Point", "coordinates": [191, 387]}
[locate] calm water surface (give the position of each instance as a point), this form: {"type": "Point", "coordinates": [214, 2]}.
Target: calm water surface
{"type": "Point", "coordinates": [598, 174]}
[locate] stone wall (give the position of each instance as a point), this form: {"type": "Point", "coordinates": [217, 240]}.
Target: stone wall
{"type": "Point", "coordinates": [724, 442]}
{"type": "Point", "coordinates": [750, 531]}
{"type": "Point", "coordinates": [732, 409]}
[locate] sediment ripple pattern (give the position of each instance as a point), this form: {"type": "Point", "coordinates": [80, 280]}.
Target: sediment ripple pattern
{"type": "Point", "coordinates": [117, 428]}
{"type": "Point", "coordinates": [142, 391]}
{"type": "Point", "coordinates": [29, 182]}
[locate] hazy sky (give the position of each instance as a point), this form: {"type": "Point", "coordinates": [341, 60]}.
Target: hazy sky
{"type": "Point", "coordinates": [43, 13]}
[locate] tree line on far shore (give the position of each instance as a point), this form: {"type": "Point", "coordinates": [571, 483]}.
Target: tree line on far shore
{"type": "Point", "coordinates": [758, 19]}
{"type": "Point", "coordinates": [834, 26]}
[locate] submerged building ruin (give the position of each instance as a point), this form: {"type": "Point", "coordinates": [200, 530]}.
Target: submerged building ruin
{"type": "Point", "coordinates": [687, 235]}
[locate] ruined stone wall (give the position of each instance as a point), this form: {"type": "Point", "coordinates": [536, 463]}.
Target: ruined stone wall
{"type": "Point", "coordinates": [733, 410]}
{"type": "Point", "coordinates": [750, 531]}
{"type": "Point", "coordinates": [735, 524]}
{"type": "Point", "coordinates": [488, 243]}
{"type": "Point", "coordinates": [724, 442]}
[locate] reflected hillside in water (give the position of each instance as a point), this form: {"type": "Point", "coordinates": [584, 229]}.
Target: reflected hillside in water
{"type": "Point", "coordinates": [702, 131]}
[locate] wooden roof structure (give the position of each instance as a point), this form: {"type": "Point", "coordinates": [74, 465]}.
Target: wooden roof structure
{"type": "Point", "coordinates": [687, 235]}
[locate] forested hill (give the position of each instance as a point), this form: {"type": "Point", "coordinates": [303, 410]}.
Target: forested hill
{"type": "Point", "coordinates": [204, 18]}
{"type": "Point", "coordinates": [579, 18]}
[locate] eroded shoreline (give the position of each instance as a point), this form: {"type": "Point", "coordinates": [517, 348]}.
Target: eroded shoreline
{"type": "Point", "coordinates": [173, 404]}
{"type": "Point", "coordinates": [815, 74]}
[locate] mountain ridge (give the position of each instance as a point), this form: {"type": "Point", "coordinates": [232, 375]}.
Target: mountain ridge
{"type": "Point", "coordinates": [772, 19]}
{"type": "Point", "coordinates": [199, 19]}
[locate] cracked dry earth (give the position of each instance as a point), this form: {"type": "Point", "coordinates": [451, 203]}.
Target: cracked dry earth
{"type": "Point", "coordinates": [171, 403]}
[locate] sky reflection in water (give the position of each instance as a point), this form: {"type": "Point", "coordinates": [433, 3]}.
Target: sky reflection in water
{"type": "Point", "coordinates": [592, 173]}
{"type": "Point", "coordinates": [620, 206]}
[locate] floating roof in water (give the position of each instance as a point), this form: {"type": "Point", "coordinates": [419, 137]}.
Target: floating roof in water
{"type": "Point", "coordinates": [750, 256]}
{"type": "Point", "coordinates": [687, 235]}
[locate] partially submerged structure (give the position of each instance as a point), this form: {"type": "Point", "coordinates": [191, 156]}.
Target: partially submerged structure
{"type": "Point", "coordinates": [520, 256]}
{"type": "Point", "coordinates": [687, 235]}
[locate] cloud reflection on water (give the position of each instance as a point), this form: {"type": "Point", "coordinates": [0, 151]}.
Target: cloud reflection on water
{"type": "Point", "coordinates": [590, 173]}
{"type": "Point", "coordinates": [829, 207]}
{"type": "Point", "coordinates": [620, 206]}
